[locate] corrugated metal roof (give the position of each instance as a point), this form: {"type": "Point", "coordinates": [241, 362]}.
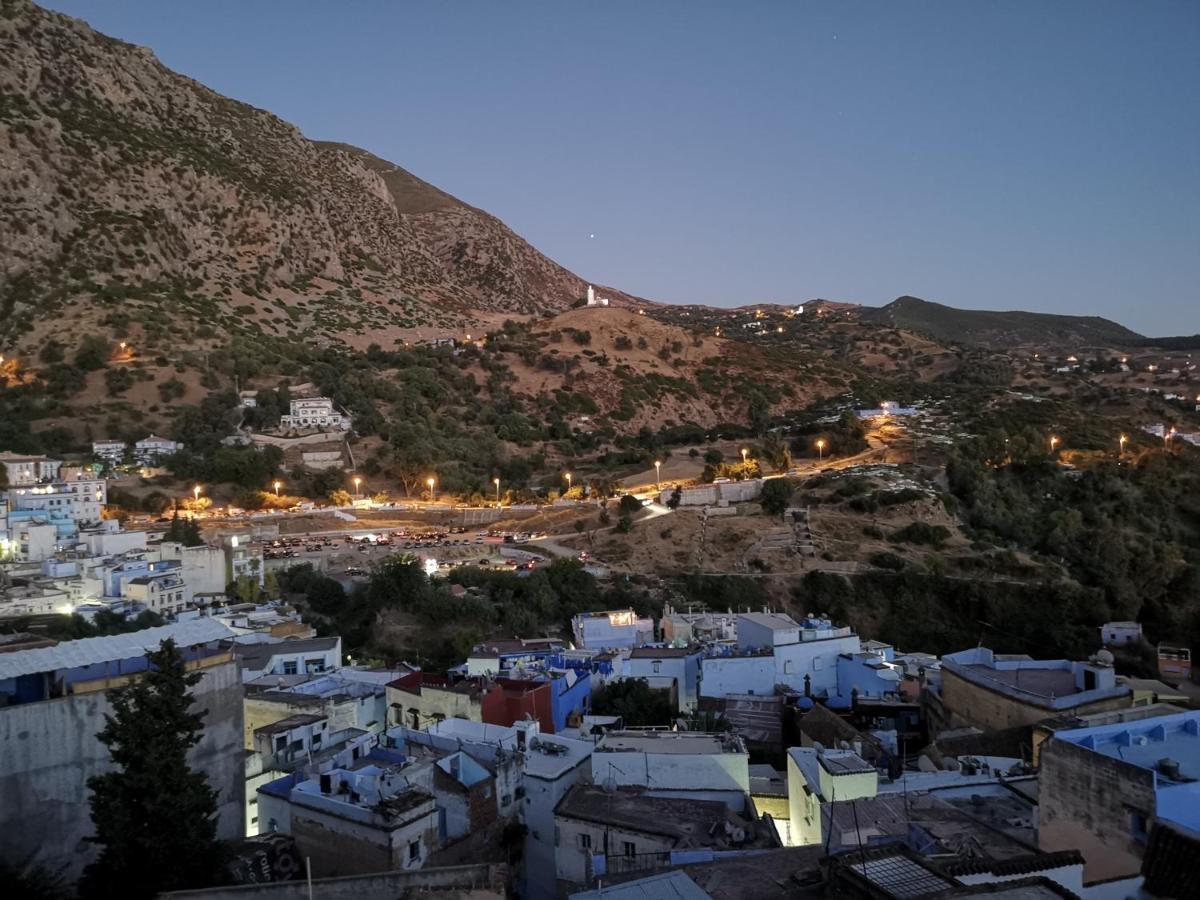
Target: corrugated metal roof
{"type": "Point", "coordinates": [90, 651]}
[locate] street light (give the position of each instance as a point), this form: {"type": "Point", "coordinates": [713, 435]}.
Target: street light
{"type": "Point", "coordinates": [278, 484]}
{"type": "Point", "coordinates": [496, 482]}
{"type": "Point", "coordinates": [568, 477]}
{"type": "Point", "coordinates": [658, 474]}
{"type": "Point", "coordinates": [1054, 442]}
{"type": "Point", "coordinates": [745, 455]}
{"type": "Point", "coordinates": [431, 482]}
{"type": "Point", "coordinates": [1124, 440]}
{"type": "Point", "coordinates": [357, 482]}
{"type": "Point", "coordinates": [196, 493]}
{"type": "Point", "coordinates": [820, 449]}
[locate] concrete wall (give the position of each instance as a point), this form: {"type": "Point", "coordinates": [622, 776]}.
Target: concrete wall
{"type": "Point", "coordinates": [1086, 801]}
{"type": "Point", "coordinates": [340, 847]}
{"type": "Point", "coordinates": [541, 797]}
{"type": "Point", "coordinates": [574, 858]}
{"type": "Point", "coordinates": [817, 659]}
{"type": "Point", "coordinates": [723, 675]}
{"type": "Point", "coordinates": [48, 750]}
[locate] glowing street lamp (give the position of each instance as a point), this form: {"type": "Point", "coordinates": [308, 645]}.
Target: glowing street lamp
{"type": "Point", "coordinates": [1054, 442]}
{"type": "Point", "coordinates": [820, 449]}
{"type": "Point", "coordinates": [431, 481]}
{"type": "Point", "coordinates": [658, 474]}
{"type": "Point", "coordinates": [357, 482]}
{"type": "Point", "coordinates": [567, 475]}
{"type": "Point", "coordinates": [496, 482]}
{"type": "Point", "coordinates": [745, 455]}
{"type": "Point", "coordinates": [278, 485]}
{"type": "Point", "coordinates": [1170, 434]}
{"type": "Point", "coordinates": [196, 493]}
{"type": "Point", "coordinates": [1123, 441]}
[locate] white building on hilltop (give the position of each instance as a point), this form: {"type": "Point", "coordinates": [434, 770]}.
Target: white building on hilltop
{"type": "Point", "coordinates": [314, 412]}
{"type": "Point", "coordinates": [152, 448]}
{"type": "Point", "coordinates": [593, 300]}
{"type": "Point", "coordinates": [112, 452]}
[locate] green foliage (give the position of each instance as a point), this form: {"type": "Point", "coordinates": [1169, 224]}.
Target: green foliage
{"type": "Point", "coordinates": [776, 495]}
{"type": "Point", "coordinates": [92, 353]}
{"type": "Point", "coordinates": [155, 818]}
{"type": "Point", "coordinates": [921, 533]}
{"type": "Point", "coordinates": [638, 704]}
{"type": "Point", "coordinates": [629, 505]}
{"type": "Point", "coordinates": [184, 531]}
{"type": "Point", "coordinates": [885, 560]}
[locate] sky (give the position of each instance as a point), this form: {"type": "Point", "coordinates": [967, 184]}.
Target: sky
{"type": "Point", "coordinates": [1017, 155]}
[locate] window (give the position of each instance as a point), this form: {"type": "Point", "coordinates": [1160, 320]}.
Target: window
{"type": "Point", "coordinates": [629, 849]}
{"type": "Point", "coordinates": [585, 842]}
{"type": "Point", "coordinates": [414, 851]}
{"type": "Point", "coordinates": [1137, 826]}
{"type": "Point", "coordinates": [788, 667]}
{"type": "Point", "coordinates": [280, 742]}
{"type": "Point", "coordinates": [657, 667]}
{"type": "Point", "coordinates": [289, 667]}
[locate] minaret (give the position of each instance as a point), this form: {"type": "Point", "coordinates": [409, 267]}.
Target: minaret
{"type": "Point", "coordinates": [591, 296]}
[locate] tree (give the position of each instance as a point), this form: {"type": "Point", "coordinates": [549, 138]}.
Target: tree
{"type": "Point", "coordinates": [676, 498]}
{"type": "Point", "coordinates": [634, 701]}
{"type": "Point", "coordinates": [629, 505]}
{"type": "Point", "coordinates": [776, 495]}
{"type": "Point", "coordinates": [776, 451]}
{"type": "Point", "coordinates": [155, 818]}
{"type": "Point", "coordinates": [184, 531]}
{"type": "Point", "coordinates": [92, 353]}
{"type": "Point", "coordinates": [340, 498]}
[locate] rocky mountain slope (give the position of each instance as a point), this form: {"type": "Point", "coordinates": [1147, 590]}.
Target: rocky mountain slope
{"type": "Point", "coordinates": [125, 180]}
{"type": "Point", "coordinates": [998, 329]}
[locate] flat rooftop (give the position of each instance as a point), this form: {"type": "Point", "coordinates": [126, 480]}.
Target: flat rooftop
{"type": "Point", "coordinates": [289, 723]}
{"type": "Point", "coordinates": [1035, 680]}
{"type": "Point", "coordinates": [683, 743]}
{"type": "Point", "coordinates": [774, 621]}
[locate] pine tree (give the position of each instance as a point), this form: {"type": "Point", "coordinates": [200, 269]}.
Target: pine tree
{"type": "Point", "coordinates": [175, 531]}
{"type": "Point", "coordinates": [155, 818]}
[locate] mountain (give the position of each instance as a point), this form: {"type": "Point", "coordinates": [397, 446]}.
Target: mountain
{"type": "Point", "coordinates": [998, 329]}
{"type": "Point", "coordinates": [125, 181]}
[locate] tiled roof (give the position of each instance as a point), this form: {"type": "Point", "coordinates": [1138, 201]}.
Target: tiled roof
{"type": "Point", "coordinates": [90, 651]}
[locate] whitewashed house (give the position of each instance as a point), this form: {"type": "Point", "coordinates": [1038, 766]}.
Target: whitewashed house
{"type": "Point", "coordinates": [152, 448]}
{"type": "Point", "coordinates": [314, 412]}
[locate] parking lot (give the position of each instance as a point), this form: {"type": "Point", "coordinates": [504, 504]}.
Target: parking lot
{"type": "Point", "coordinates": [352, 554]}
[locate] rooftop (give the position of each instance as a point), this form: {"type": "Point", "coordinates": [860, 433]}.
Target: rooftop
{"type": "Point", "coordinates": [255, 656]}
{"type": "Point", "coordinates": [774, 621]}
{"type": "Point", "coordinates": [683, 743]}
{"type": "Point", "coordinates": [90, 651]}
{"type": "Point", "coordinates": [288, 724]}
{"type": "Point", "coordinates": [664, 886]}
{"type": "Point", "coordinates": [692, 823]}
{"type": "Point", "coordinates": [663, 652]}
{"type": "Point", "coordinates": [1167, 746]}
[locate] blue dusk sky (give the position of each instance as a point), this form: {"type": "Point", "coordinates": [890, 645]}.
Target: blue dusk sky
{"type": "Point", "coordinates": [1015, 155]}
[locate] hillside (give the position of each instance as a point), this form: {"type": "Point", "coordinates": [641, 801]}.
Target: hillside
{"type": "Point", "coordinates": [998, 329]}
{"type": "Point", "coordinates": [128, 184]}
